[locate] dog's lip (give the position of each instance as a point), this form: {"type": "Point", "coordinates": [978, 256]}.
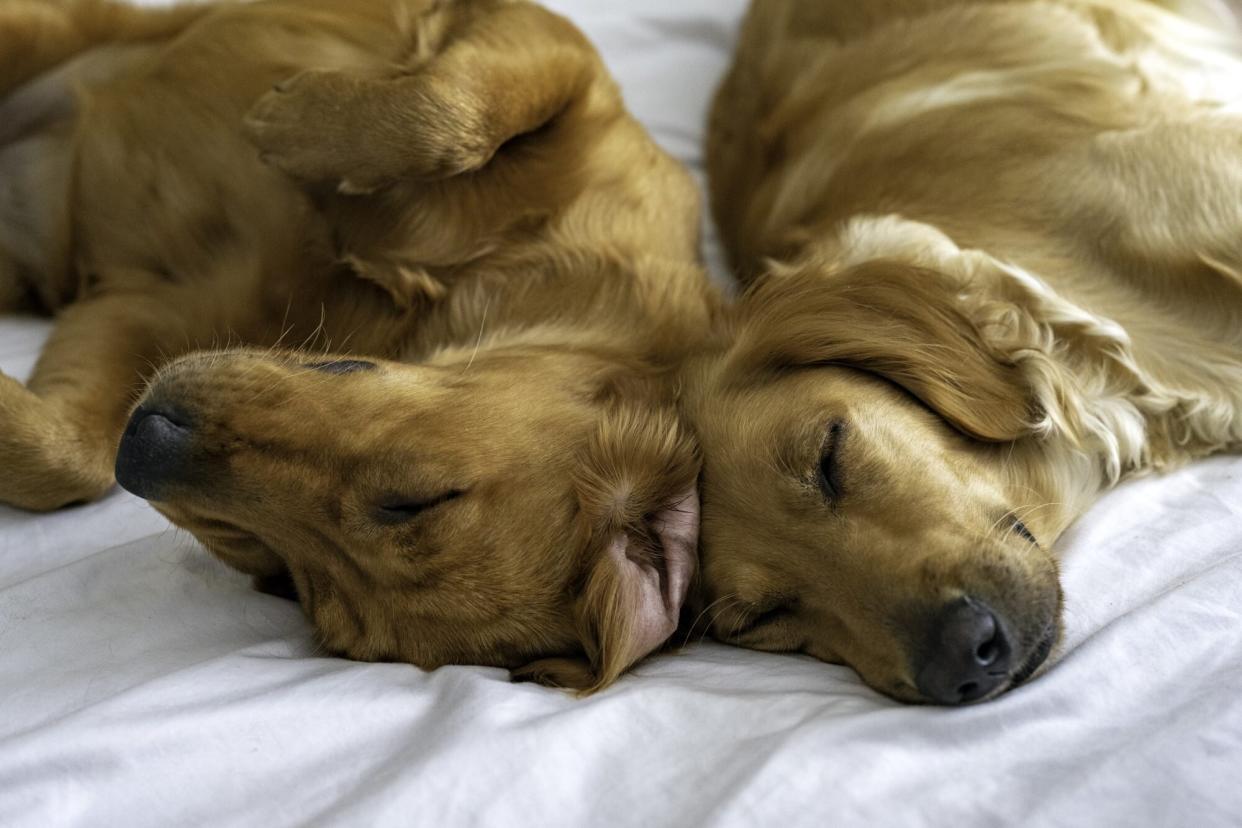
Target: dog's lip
{"type": "Point", "coordinates": [1038, 655]}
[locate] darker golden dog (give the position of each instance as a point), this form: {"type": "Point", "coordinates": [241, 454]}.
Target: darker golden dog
{"type": "Point", "coordinates": [995, 264]}
{"type": "Point", "coordinates": [491, 269]}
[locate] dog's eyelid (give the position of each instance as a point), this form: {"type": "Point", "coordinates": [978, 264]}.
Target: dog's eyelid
{"type": "Point", "coordinates": [397, 509]}
{"type": "Point", "coordinates": [828, 472]}
{"type": "Point", "coordinates": [767, 612]}
{"type": "Point", "coordinates": [341, 366]}
{"type": "Point", "coordinates": [1021, 530]}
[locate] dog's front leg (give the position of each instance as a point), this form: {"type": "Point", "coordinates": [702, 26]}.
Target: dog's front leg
{"type": "Point", "coordinates": [507, 71]}
{"type": "Point", "coordinates": [58, 434]}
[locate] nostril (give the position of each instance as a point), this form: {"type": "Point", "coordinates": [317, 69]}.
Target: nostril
{"type": "Point", "coordinates": [147, 419]}
{"type": "Point", "coordinates": [987, 653]}
{"type": "Point", "coordinates": [156, 426]}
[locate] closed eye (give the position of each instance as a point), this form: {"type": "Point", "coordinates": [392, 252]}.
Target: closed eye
{"type": "Point", "coordinates": [1021, 531]}
{"type": "Point", "coordinates": [341, 366]}
{"type": "Point", "coordinates": [829, 475]}
{"type": "Point", "coordinates": [400, 510]}
{"type": "Point", "coordinates": [763, 618]}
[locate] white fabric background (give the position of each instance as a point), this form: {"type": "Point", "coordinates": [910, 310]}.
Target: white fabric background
{"type": "Point", "coordinates": [141, 683]}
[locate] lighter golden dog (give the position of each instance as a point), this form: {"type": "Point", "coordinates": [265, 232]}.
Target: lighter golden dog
{"type": "Point", "coordinates": [449, 196]}
{"type": "Point", "coordinates": [996, 269]}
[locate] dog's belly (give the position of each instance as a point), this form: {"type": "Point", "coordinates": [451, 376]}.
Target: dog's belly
{"type": "Point", "coordinates": [32, 171]}
{"type": "Point", "coordinates": [37, 122]}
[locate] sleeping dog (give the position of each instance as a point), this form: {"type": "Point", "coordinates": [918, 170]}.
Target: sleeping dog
{"type": "Point", "coordinates": [490, 268]}
{"type": "Point", "coordinates": [995, 268]}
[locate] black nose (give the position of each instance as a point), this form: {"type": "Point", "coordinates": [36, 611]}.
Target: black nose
{"type": "Point", "coordinates": [155, 451]}
{"type": "Point", "coordinates": [967, 654]}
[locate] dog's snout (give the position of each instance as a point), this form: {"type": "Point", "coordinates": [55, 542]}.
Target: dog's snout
{"type": "Point", "coordinates": [967, 655]}
{"type": "Point", "coordinates": [155, 451]}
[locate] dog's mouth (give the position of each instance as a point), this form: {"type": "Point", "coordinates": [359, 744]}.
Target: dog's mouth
{"type": "Point", "coordinates": [1038, 655]}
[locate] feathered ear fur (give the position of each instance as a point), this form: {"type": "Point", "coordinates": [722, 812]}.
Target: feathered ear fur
{"type": "Point", "coordinates": [907, 323]}
{"type": "Point", "coordinates": [639, 503]}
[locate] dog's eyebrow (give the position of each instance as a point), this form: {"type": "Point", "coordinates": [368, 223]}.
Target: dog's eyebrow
{"type": "Point", "coordinates": [341, 366]}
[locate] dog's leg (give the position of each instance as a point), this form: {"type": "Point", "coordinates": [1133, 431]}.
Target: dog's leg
{"type": "Point", "coordinates": [58, 435]}
{"type": "Point", "coordinates": [506, 71]}
{"type": "Point", "coordinates": [37, 35]}
{"type": "Point", "coordinates": [36, 105]}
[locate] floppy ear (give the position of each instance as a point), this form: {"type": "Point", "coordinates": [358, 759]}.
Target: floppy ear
{"type": "Point", "coordinates": [906, 323]}
{"type": "Point", "coordinates": [638, 496]}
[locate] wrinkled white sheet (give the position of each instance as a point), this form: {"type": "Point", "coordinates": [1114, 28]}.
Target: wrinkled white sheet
{"type": "Point", "coordinates": [141, 683]}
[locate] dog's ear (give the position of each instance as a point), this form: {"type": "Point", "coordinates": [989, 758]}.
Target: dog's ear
{"type": "Point", "coordinates": [639, 503]}
{"type": "Point", "coordinates": [910, 324]}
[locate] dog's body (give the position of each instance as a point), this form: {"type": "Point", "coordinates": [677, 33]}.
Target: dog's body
{"type": "Point", "coordinates": [1024, 215]}
{"type": "Point", "coordinates": [454, 187]}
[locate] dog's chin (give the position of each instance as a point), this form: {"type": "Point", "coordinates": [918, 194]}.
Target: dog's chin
{"type": "Point", "coordinates": [234, 545]}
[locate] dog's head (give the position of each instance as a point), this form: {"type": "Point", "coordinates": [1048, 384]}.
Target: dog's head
{"type": "Point", "coordinates": [524, 507]}
{"type": "Point", "coordinates": [856, 506]}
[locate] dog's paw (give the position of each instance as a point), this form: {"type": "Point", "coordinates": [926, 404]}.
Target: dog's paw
{"type": "Point", "coordinates": [43, 464]}
{"type": "Point", "coordinates": [363, 134]}
{"type": "Point", "coordinates": [312, 127]}
{"type": "Point", "coordinates": [446, 126]}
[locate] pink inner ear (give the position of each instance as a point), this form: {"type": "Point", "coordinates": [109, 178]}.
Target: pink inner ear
{"type": "Point", "coordinates": [654, 587]}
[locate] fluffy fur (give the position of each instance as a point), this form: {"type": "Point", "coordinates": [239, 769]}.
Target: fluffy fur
{"type": "Point", "coordinates": [452, 189]}
{"type": "Point", "coordinates": [1022, 217]}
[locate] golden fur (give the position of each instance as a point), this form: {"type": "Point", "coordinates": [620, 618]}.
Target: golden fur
{"type": "Point", "coordinates": [996, 269]}
{"type": "Point", "coordinates": [452, 187]}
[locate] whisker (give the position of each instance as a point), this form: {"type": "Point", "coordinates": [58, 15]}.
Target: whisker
{"type": "Point", "coordinates": [479, 341]}
{"type": "Point", "coordinates": [695, 623]}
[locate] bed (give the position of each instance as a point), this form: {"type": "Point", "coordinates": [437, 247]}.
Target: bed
{"type": "Point", "coordinates": [142, 683]}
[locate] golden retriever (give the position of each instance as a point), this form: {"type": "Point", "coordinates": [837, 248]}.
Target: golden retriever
{"type": "Point", "coordinates": [995, 268]}
{"type": "Point", "coordinates": [448, 195]}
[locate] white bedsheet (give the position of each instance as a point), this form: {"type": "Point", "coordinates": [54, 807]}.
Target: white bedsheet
{"type": "Point", "coordinates": [142, 683]}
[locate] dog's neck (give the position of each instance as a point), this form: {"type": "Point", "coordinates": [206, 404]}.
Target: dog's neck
{"type": "Point", "coordinates": [650, 308]}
